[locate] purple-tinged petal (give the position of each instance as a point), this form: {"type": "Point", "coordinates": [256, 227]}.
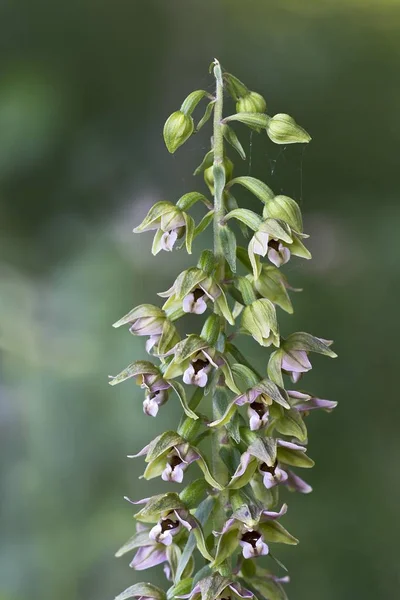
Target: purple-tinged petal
{"type": "Point", "coordinates": [150, 407]}
{"type": "Point", "coordinates": [142, 501]}
{"type": "Point", "coordinates": [315, 403]}
{"type": "Point", "coordinates": [290, 445]}
{"type": "Point", "coordinates": [244, 463]}
{"type": "Point", "coordinates": [240, 591]}
{"type": "Point", "coordinates": [298, 395]}
{"type": "Point", "coordinates": [186, 453]}
{"type": "Point", "coordinates": [148, 556]}
{"type": "Point", "coordinates": [269, 515]}
{"type": "Point", "coordinates": [174, 474]}
{"type": "Point", "coordinates": [296, 361]}
{"type": "Point", "coordinates": [295, 483]}
{"type": "Point", "coordinates": [142, 452]}
{"type": "Point", "coordinates": [255, 420]}
{"type": "Point", "coordinates": [186, 521]}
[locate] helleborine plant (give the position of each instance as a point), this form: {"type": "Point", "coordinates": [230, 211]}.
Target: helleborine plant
{"type": "Point", "coordinates": [210, 534]}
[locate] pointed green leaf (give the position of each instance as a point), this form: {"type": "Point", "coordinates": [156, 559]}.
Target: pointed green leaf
{"type": "Point", "coordinates": [275, 367]}
{"type": "Point", "coordinates": [309, 343]}
{"type": "Point", "coordinates": [295, 458]}
{"type": "Point", "coordinates": [233, 140]}
{"type": "Point", "coordinates": [255, 186]}
{"type": "Point", "coordinates": [273, 531]}
{"type": "Point", "coordinates": [228, 242]}
{"type": "Point", "coordinates": [188, 200]}
{"type": "Point", "coordinates": [204, 223]}
{"type": "Point", "coordinates": [163, 503]}
{"type": "Point", "coordinates": [292, 424]}
{"type": "Point", "coordinates": [162, 444]}
{"type": "Point", "coordinates": [248, 217]}
{"type": "Point", "coordinates": [190, 228]}
{"type": "Point", "coordinates": [141, 538]}
{"type": "Point", "coordinates": [190, 103]}
{"type": "Point", "coordinates": [134, 369]}
{"type": "Point", "coordinates": [180, 392]}
{"type": "Point", "coordinates": [206, 163]}
{"type": "Point", "coordinates": [251, 119]}
{"type": "Point", "coordinates": [227, 544]}
{"type": "Point", "coordinates": [206, 116]}
{"type": "Point", "coordinates": [140, 590]}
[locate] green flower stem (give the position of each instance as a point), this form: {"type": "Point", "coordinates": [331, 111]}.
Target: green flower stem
{"type": "Point", "coordinates": [218, 162]}
{"type": "Point", "coordinates": [220, 470]}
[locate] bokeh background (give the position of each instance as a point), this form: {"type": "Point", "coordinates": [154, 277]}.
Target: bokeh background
{"type": "Point", "coordinates": [85, 88]}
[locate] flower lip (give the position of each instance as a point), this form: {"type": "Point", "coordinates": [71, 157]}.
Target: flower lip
{"type": "Point", "coordinates": [259, 408]}
{"type": "Point", "coordinates": [251, 537]}
{"type": "Point", "coordinates": [266, 469]}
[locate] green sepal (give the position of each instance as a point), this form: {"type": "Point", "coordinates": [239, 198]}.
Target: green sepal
{"type": "Point", "coordinates": [295, 458]}
{"type": "Point", "coordinates": [141, 311]}
{"type": "Point", "coordinates": [246, 289]}
{"type": "Point", "coordinates": [190, 229]}
{"type": "Point", "coordinates": [140, 590]}
{"type": "Point", "coordinates": [272, 531]}
{"type": "Point", "coordinates": [206, 163]}
{"type": "Point", "coordinates": [222, 307]}
{"type": "Point", "coordinates": [206, 116]}
{"type": "Point", "coordinates": [233, 140]}
{"type": "Point", "coordinates": [206, 470]}
{"type": "Point", "coordinates": [246, 216]}
{"type": "Point", "coordinates": [193, 493]}
{"type": "Point", "coordinates": [201, 543]}
{"type": "Point", "coordinates": [277, 230]}
{"type": "Point", "coordinates": [297, 248]}
{"type": "Point", "coordinates": [221, 406]}
{"type": "Point", "coordinates": [141, 538]}
{"type": "Point", "coordinates": [189, 346]}
{"type": "Point", "coordinates": [277, 393]}
{"type": "Point", "coordinates": [155, 213]}
{"type": "Point", "coordinates": [204, 223]}
{"type": "Point", "coordinates": [274, 367]}
{"type": "Point", "coordinates": [286, 209]}
{"type": "Point", "coordinates": [169, 338]}
{"type": "Point", "coordinates": [239, 482]}
{"type": "Point", "coordinates": [162, 444]}
{"type": "Point", "coordinates": [188, 200]}
{"type": "Point", "coordinates": [173, 553]}
{"type": "Point", "coordinates": [272, 284]}
{"type": "Point", "coordinates": [265, 450]}
{"type": "Point", "coordinates": [292, 424]}
{"type": "Point", "coordinates": [245, 374]}
{"type": "Point", "coordinates": [211, 329]}
{"type": "Point", "coordinates": [309, 343]}
{"type": "Point", "coordinates": [186, 282]}
{"type": "Point", "coordinates": [228, 242]}
{"type": "Point", "coordinates": [283, 129]}
{"type": "Point", "coordinates": [190, 103]}
{"type": "Point", "coordinates": [182, 588]}
{"type": "Point", "coordinates": [236, 88]}
{"type": "Point", "coordinates": [180, 392]}
{"type": "Point", "coordinates": [258, 120]}
{"type": "Point", "coordinates": [157, 505]}
{"type": "Point", "coordinates": [227, 544]}
{"type": "Point", "coordinates": [229, 380]}
{"type": "Point", "coordinates": [255, 186]}
{"type": "Point", "coordinates": [156, 245]}
{"type": "Point", "coordinates": [212, 587]}
{"type": "Point", "coordinates": [139, 367]}
{"type": "Point", "coordinates": [268, 588]}
{"type": "Point", "coordinates": [202, 515]}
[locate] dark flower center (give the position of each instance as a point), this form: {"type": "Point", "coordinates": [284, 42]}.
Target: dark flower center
{"type": "Point", "coordinates": [168, 524]}
{"type": "Point", "coordinates": [174, 461]}
{"type": "Point", "coordinates": [259, 408]}
{"type": "Point", "coordinates": [199, 364]}
{"type": "Point", "coordinates": [197, 293]}
{"type": "Point", "coordinates": [264, 467]}
{"type": "Point", "coordinates": [251, 537]}
{"type": "Point", "coordinates": [274, 244]}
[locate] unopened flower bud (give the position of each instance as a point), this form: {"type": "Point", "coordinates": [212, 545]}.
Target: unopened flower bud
{"type": "Point", "coordinates": [177, 129]}
{"type": "Point", "coordinates": [283, 129]}
{"type": "Point", "coordinates": [209, 175]}
{"type": "Point", "coordinates": [251, 103]}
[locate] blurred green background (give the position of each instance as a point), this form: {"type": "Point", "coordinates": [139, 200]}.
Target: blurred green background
{"type": "Point", "coordinates": [85, 88]}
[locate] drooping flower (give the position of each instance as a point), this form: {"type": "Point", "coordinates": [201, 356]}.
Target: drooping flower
{"type": "Point", "coordinates": [192, 290]}
{"type": "Point", "coordinates": [170, 224]}
{"type": "Point", "coordinates": [259, 321]}
{"type": "Point", "coordinates": [303, 403]}
{"type": "Point", "coordinates": [169, 455]}
{"type": "Point", "coordinates": [270, 457]}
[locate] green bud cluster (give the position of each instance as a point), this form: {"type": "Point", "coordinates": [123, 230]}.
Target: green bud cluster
{"type": "Point", "coordinates": [215, 536]}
